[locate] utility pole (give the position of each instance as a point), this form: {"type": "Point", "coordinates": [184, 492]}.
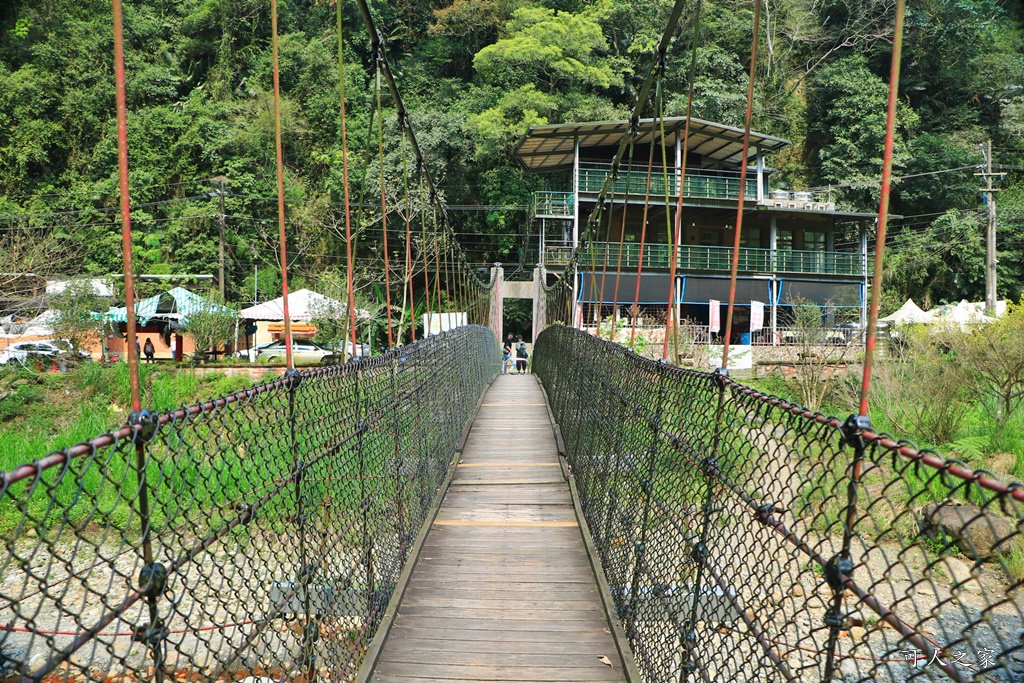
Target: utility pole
{"type": "Point", "coordinates": [990, 231]}
{"type": "Point", "coordinates": [220, 254]}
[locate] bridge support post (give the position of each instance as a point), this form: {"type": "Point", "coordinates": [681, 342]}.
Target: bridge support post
{"type": "Point", "coordinates": [540, 306]}
{"type": "Point", "coordinates": [497, 309]}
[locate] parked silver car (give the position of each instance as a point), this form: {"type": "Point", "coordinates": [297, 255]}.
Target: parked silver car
{"type": "Point", "coordinates": [304, 352]}
{"type": "Point", "coordinates": [47, 348]}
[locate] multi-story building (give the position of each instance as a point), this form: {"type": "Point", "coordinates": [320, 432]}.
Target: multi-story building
{"type": "Point", "coordinates": [795, 246]}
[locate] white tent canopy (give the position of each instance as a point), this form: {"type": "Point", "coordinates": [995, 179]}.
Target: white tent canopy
{"type": "Point", "coordinates": [963, 314]}
{"type": "Point", "coordinates": [302, 305]}
{"type": "Point", "coordinates": [907, 313]}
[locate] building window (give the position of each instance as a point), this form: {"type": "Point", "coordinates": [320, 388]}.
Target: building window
{"type": "Point", "coordinates": [814, 240]}
{"type": "Point", "coordinates": [751, 238]}
{"type": "Point", "coordinates": [710, 238]}
{"type": "Point", "coordinates": [784, 239]}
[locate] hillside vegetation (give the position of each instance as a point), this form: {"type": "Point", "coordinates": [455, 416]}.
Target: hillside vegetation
{"type": "Point", "coordinates": [476, 74]}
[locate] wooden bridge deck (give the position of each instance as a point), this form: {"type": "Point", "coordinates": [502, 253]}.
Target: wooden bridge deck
{"type": "Point", "coordinates": [503, 589]}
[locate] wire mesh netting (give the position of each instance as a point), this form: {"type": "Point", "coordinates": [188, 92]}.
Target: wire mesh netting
{"type": "Point", "coordinates": [748, 539]}
{"type": "Point", "coordinates": [257, 534]}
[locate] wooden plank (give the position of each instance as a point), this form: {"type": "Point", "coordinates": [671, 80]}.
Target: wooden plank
{"type": "Point", "coordinates": [496, 673]}
{"type": "Point", "coordinates": [498, 659]}
{"type": "Point", "coordinates": [471, 637]}
{"type": "Point", "coordinates": [445, 601]}
{"type": "Point", "coordinates": [500, 523]}
{"type": "Point", "coordinates": [593, 646]}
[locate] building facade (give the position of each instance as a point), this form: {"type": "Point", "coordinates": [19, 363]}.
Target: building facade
{"type": "Point", "coordinates": [795, 246]}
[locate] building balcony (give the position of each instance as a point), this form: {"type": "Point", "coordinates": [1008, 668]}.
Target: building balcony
{"type": "Point", "coordinates": [552, 205]}
{"type": "Point", "coordinates": [699, 184]}
{"type": "Point", "coordinates": [699, 258]}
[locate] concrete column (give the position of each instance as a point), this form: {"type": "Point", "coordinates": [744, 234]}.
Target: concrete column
{"type": "Point", "coordinates": [497, 309]}
{"type": "Point", "coordinates": [864, 275]}
{"type": "Point", "coordinates": [540, 309]}
{"type": "Point", "coordinates": [760, 176]}
{"type": "Point", "coordinates": [774, 293]}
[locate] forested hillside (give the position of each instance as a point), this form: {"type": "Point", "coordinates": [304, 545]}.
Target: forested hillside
{"type": "Point", "coordinates": [475, 75]}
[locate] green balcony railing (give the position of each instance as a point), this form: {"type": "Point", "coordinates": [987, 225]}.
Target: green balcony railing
{"type": "Point", "coordinates": [657, 257]}
{"type": "Point", "coordinates": [553, 204]}
{"type": "Point", "coordinates": [699, 184]}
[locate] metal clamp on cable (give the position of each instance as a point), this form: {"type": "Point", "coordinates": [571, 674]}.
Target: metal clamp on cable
{"type": "Point", "coordinates": [719, 376]}
{"type": "Point", "coordinates": [146, 423]}
{"type": "Point", "coordinates": [294, 378]}
{"type": "Point", "coordinates": [299, 471]}
{"type": "Point", "coordinates": [153, 579]}
{"type": "Point", "coordinates": [853, 430]}
{"type": "Point", "coordinates": [837, 568]}
{"type": "Point", "coordinates": [150, 634]}
{"type": "Point", "coordinates": [245, 512]}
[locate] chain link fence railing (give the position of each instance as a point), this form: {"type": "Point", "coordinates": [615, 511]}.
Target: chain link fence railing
{"type": "Point", "coordinates": [256, 534]}
{"type": "Point", "coordinates": [748, 539]}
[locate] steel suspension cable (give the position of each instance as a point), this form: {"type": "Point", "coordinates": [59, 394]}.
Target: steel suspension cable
{"type": "Point", "coordinates": [670, 324]}
{"type": "Point", "coordinates": [349, 265]}
{"type": "Point", "coordinates": [643, 240]}
{"type": "Point", "coordinates": [377, 46]}
{"type": "Point", "coordinates": [384, 207]}
{"type": "Point", "coordinates": [883, 207]}
{"type": "Point", "coordinates": [282, 235]}
{"type": "Point", "coordinates": [743, 185]}
{"type": "Point", "coordinates": [634, 119]}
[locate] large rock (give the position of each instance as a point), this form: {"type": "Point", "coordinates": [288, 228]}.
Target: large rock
{"type": "Point", "coordinates": [975, 532]}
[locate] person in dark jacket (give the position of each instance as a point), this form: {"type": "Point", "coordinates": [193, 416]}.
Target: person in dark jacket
{"type": "Point", "coordinates": [149, 350]}
{"type": "Point", "coordinates": [521, 356]}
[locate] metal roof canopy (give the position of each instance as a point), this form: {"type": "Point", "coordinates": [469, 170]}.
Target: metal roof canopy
{"type": "Point", "coordinates": [550, 148]}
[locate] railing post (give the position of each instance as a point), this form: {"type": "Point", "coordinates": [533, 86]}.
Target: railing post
{"type": "Point", "coordinates": [399, 484]}
{"type": "Point", "coordinates": [305, 575]}
{"type": "Point", "coordinates": [647, 486]}
{"type": "Point", "coordinates": [840, 567]}
{"type": "Point", "coordinates": [152, 579]}
{"type": "Point", "coordinates": [698, 550]}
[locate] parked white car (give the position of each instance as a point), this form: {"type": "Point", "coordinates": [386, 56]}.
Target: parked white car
{"type": "Point", "coordinates": [48, 348]}
{"type": "Point", "coordinates": [251, 354]}
{"type": "Point", "coordinates": [304, 352]}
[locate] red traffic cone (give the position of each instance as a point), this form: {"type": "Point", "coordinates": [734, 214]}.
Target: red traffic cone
{"type": "Point", "coordinates": [39, 368]}
{"type": "Point", "coordinates": [53, 365]}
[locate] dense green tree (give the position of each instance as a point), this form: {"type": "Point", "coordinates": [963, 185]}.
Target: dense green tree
{"type": "Point", "coordinates": [475, 75]}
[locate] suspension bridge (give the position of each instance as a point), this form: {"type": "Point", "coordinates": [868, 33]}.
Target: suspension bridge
{"type": "Point", "coordinates": [419, 516]}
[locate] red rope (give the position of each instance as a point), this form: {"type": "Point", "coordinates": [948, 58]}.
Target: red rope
{"type": "Point", "coordinates": [677, 240]}
{"type": "Point", "coordinates": [126, 221]}
{"type": "Point", "coordinates": [282, 236]}
{"type": "Point", "coordinates": [344, 165]}
{"type": "Point", "coordinates": [121, 634]}
{"type": "Point", "coordinates": [883, 208]}
{"type": "Point", "coordinates": [643, 239]}
{"type": "Point", "coordinates": [408, 237]}
{"type": "Point", "coordinates": [383, 210]}
{"type": "Point", "coordinates": [743, 186]}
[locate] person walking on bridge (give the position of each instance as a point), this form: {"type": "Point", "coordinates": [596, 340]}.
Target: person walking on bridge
{"type": "Point", "coordinates": [506, 354]}
{"type": "Point", "coordinates": [521, 356]}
